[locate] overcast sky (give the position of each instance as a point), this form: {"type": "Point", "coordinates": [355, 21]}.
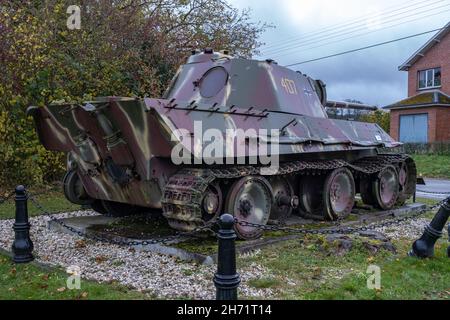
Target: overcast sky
{"type": "Point", "coordinates": [308, 29]}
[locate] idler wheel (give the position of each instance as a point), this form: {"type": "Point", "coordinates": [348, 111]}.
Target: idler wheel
{"type": "Point", "coordinates": [386, 188]}
{"type": "Point", "coordinates": [284, 199]}
{"type": "Point", "coordinates": [249, 199]}
{"type": "Point", "coordinates": [338, 194]}
{"type": "Point", "coordinates": [119, 209]}
{"type": "Point", "coordinates": [74, 190]}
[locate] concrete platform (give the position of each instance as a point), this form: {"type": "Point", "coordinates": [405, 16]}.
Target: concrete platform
{"type": "Point", "coordinates": [87, 225]}
{"type": "Point", "coordinates": [105, 227]}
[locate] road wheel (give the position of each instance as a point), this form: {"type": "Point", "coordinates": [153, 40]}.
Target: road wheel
{"type": "Point", "coordinates": [249, 199]}
{"type": "Point", "coordinates": [310, 196]}
{"type": "Point", "coordinates": [338, 194]}
{"type": "Point", "coordinates": [366, 190]}
{"type": "Point", "coordinates": [212, 202]}
{"type": "Point", "coordinates": [282, 190]}
{"type": "Point", "coordinates": [407, 177]}
{"type": "Point", "coordinates": [386, 187]}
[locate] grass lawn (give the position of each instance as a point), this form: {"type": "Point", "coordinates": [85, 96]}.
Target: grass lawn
{"type": "Point", "coordinates": [433, 166]}
{"type": "Point", "coordinates": [301, 270]}
{"type": "Point", "coordinates": [27, 281]}
{"type": "Point", "coordinates": [52, 201]}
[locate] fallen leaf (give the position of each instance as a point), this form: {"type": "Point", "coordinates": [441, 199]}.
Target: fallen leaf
{"type": "Point", "coordinates": [317, 272]}
{"type": "Point", "coordinates": [84, 294]}
{"type": "Point", "coordinates": [80, 244]}
{"type": "Point", "coordinates": [13, 271]}
{"type": "Point", "coordinates": [62, 289]}
{"type": "Point", "coordinates": [100, 259]}
{"type": "Point", "coordinates": [45, 277]}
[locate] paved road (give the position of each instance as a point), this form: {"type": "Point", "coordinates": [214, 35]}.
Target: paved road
{"type": "Point", "coordinates": [434, 185]}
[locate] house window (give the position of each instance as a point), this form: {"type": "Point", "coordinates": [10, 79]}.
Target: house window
{"type": "Point", "coordinates": [430, 78]}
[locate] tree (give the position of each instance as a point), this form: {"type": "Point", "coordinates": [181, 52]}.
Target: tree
{"type": "Point", "coordinates": [124, 48]}
{"type": "Point", "coordinates": [379, 116]}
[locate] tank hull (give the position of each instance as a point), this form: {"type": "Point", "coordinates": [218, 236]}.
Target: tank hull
{"type": "Point", "coordinates": [146, 128]}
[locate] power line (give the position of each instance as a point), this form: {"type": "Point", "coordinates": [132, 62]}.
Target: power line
{"type": "Point", "coordinates": [359, 22]}
{"type": "Point", "coordinates": [291, 46]}
{"type": "Point", "coordinates": [350, 30]}
{"type": "Point", "coordinates": [366, 33]}
{"type": "Point", "coordinates": [363, 48]}
{"type": "Point", "coordinates": [340, 25]}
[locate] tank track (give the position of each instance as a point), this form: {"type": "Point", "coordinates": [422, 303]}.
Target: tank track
{"type": "Point", "coordinates": [183, 193]}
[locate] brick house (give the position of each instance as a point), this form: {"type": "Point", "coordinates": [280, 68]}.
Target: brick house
{"type": "Point", "coordinates": [424, 117]}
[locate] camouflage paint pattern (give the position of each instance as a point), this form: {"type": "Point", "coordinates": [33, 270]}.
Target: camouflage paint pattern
{"type": "Point", "coordinates": [121, 147]}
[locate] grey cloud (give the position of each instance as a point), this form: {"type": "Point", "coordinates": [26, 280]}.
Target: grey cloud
{"type": "Point", "coordinates": [370, 75]}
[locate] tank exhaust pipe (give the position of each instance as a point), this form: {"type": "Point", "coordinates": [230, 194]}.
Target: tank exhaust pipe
{"type": "Point", "coordinates": [118, 148]}
{"type": "Point", "coordinates": [448, 249]}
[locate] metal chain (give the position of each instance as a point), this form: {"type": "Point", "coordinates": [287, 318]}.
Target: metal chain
{"type": "Point", "coordinates": [165, 240]}
{"type": "Point", "coordinates": [345, 230]}
{"type": "Point", "coordinates": [39, 206]}
{"type": "Point", "coordinates": [207, 227]}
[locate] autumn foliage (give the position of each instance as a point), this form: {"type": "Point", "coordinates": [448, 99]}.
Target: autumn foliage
{"type": "Point", "coordinates": [123, 48]}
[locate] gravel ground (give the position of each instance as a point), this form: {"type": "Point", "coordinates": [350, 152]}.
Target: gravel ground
{"type": "Point", "coordinates": [411, 229]}
{"type": "Point", "coordinates": [150, 272]}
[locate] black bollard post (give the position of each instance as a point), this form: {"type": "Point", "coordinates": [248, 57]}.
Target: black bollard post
{"type": "Point", "coordinates": [226, 279]}
{"type": "Point", "coordinates": [448, 249]}
{"type": "Point", "coordinates": [22, 247]}
{"type": "Point", "coordinates": [424, 247]}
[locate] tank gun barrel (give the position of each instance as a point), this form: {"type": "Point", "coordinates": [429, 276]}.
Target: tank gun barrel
{"type": "Point", "coordinates": [349, 105]}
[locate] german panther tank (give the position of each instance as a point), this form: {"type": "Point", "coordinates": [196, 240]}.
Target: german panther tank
{"type": "Point", "coordinates": [246, 137]}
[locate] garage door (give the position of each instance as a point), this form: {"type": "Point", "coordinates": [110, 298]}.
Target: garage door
{"type": "Point", "coordinates": [414, 128]}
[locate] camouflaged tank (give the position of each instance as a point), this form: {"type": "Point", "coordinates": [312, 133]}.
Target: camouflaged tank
{"type": "Point", "coordinates": [123, 154]}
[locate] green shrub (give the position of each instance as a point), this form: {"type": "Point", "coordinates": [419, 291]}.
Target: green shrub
{"type": "Point", "coordinates": [122, 49]}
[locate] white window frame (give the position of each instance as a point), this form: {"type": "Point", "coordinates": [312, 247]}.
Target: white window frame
{"type": "Point", "coordinates": [426, 78]}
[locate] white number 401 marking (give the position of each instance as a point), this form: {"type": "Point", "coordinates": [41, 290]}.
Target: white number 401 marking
{"type": "Point", "coordinates": [289, 85]}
